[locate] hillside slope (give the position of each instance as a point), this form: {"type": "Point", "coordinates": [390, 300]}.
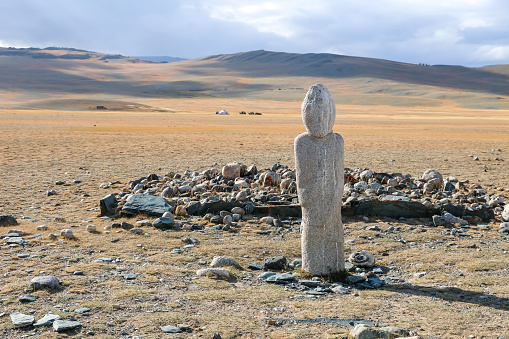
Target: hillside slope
{"type": "Point", "coordinates": [47, 77]}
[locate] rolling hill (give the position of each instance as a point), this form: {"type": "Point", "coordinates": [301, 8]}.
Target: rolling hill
{"type": "Point", "coordinates": [62, 78]}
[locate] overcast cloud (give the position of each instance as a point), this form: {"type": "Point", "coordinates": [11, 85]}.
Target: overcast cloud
{"type": "Point", "coordinates": [460, 32]}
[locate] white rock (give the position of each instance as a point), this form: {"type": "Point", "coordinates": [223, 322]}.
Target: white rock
{"type": "Point", "coordinates": [67, 234]}
{"type": "Point", "coordinates": [91, 228]}
{"type": "Point", "coordinates": [267, 220]}
{"type": "Point", "coordinates": [505, 213]}
{"type": "Point", "coordinates": [451, 219]}
{"type": "Point", "coordinates": [221, 261]}
{"type": "Point", "coordinates": [432, 174]}
{"type": "Point", "coordinates": [241, 196]}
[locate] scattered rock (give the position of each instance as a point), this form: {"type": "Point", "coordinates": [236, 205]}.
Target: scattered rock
{"type": "Point", "coordinates": [108, 205]}
{"type": "Point", "coordinates": [275, 263]}
{"type": "Point", "coordinates": [221, 261]}
{"type": "Point", "coordinates": [362, 259]}
{"type": "Point", "coordinates": [362, 331]}
{"type": "Point", "coordinates": [505, 213]}
{"type": "Point", "coordinates": [67, 234]}
{"type": "Point", "coordinates": [21, 320]}
{"type": "Point", "coordinates": [164, 223]}
{"type": "Point", "coordinates": [27, 298]}
{"type": "Point", "coordinates": [47, 320]}
{"type": "Point", "coordinates": [170, 329]}
{"type": "Point", "coordinates": [231, 170]}
{"type": "Point", "coordinates": [65, 325]}
{"type": "Point", "coordinates": [46, 281]}
{"type": "Point", "coordinates": [91, 228]}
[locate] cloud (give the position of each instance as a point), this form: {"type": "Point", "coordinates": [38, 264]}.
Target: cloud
{"type": "Point", "coordinates": [469, 32]}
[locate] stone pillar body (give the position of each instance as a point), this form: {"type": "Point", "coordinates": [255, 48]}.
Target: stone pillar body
{"type": "Point", "coordinates": [319, 162]}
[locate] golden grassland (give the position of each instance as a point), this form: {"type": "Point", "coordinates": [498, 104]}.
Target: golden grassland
{"type": "Point", "coordinates": [39, 147]}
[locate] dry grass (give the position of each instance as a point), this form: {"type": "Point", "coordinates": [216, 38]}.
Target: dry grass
{"type": "Point", "coordinates": [39, 147]}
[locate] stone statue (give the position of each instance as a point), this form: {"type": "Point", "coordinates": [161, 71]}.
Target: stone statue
{"type": "Point", "coordinates": [319, 162]}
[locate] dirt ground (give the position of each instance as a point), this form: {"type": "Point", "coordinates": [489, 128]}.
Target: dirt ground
{"type": "Point", "coordinates": [40, 147]}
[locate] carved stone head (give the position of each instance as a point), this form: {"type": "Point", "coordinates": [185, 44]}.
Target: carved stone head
{"type": "Point", "coordinates": [318, 111]}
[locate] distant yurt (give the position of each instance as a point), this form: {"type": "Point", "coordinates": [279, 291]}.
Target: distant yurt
{"type": "Point", "coordinates": [223, 112]}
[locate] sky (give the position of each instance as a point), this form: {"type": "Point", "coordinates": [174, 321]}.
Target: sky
{"type": "Point", "coordinates": [452, 32]}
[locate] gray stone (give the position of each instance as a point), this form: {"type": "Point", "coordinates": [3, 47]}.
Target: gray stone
{"type": "Point", "coordinates": [16, 240]}
{"type": "Point", "coordinates": [392, 209]}
{"type": "Point", "coordinates": [146, 204]}
{"type": "Point", "coordinates": [170, 329]}
{"type": "Point", "coordinates": [432, 174]}
{"type": "Point", "coordinates": [218, 273]}
{"type": "Point", "coordinates": [21, 320]}
{"type": "Point", "coordinates": [505, 213]}
{"type": "Point", "coordinates": [354, 279]}
{"type": "Point", "coordinates": [163, 223]}
{"type": "Point", "coordinates": [275, 263]}
{"type": "Point", "coordinates": [7, 220]}
{"type": "Point", "coordinates": [362, 331]}
{"type": "Point", "coordinates": [108, 205]}
{"type": "Point", "coordinates": [27, 298]}
{"type": "Point", "coordinates": [438, 220]}
{"type": "Point", "coordinates": [319, 162]}
{"type": "Point", "coordinates": [362, 259]}
{"type": "Point", "coordinates": [221, 261]}
{"type": "Point", "coordinates": [281, 278]}
{"type": "Point", "coordinates": [65, 325]}
{"type": "Point", "coordinates": [393, 198]}
{"type": "Point", "coordinates": [255, 267]}
{"type": "Point", "coordinates": [67, 234]}
{"type": "Point", "coordinates": [45, 281]}
{"type": "Point", "coordinates": [130, 276]}
{"type": "Point", "coordinates": [340, 290]}
{"type": "Point", "coordinates": [82, 310]}
{"type": "Point", "coordinates": [266, 275]}
{"type": "Point", "coordinates": [47, 320]}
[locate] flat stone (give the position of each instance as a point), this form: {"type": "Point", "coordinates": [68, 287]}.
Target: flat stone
{"type": "Point", "coordinates": [266, 275]}
{"type": "Point", "coordinates": [393, 198]}
{"type": "Point", "coordinates": [354, 279]}
{"type": "Point", "coordinates": [45, 281]}
{"type": "Point", "coordinates": [281, 278]}
{"type": "Point", "coordinates": [27, 298]}
{"type": "Point", "coordinates": [170, 329]}
{"type": "Point", "coordinates": [130, 276]}
{"type": "Point", "coordinates": [23, 255]}
{"type": "Point", "coordinates": [255, 267]}
{"type": "Point", "coordinates": [310, 283]}
{"type": "Point", "coordinates": [146, 204]}
{"type": "Point", "coordinates": [47, 320]}
{"type": "Point", "coordinates": [65, 325]}
{"type": "Point", "coordinates": [16, 240]}
{"type": "Point", "coordinates": [21, 320]}
{"type": "Point", "coordinates": [105, 260]}
{"type": "Point", "coordinates": [82, 310]}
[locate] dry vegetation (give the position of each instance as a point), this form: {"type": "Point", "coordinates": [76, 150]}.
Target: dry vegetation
{"type": "Point", "coordinates": [465, 289]}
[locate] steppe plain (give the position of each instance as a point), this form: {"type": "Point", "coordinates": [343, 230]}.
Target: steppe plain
{"type": "Point", "coordinates": [51, 131]}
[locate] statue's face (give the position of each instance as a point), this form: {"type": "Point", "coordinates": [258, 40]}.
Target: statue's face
{"type": "Point", "coordinates": [318, 111]}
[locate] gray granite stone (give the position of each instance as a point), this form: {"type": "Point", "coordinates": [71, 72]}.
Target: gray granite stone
{"type": "Point", "coordinates": [65, 325]}
{"type": "Point", "coordinates": [319, 161]}
{"type": "Point", "coordinates": [146, 204]}
{"type": "Point", "coordinates": [21, 320]}
{"type": "Point", "coordinates": [45, 281]}
{"type": "Point", "coordinates": [47, 320]}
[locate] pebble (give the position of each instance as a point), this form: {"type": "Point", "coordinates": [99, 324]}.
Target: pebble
{"type": "Point", "coordinates": [82, 310]}
{"type": "Point", "coordinates": [67, 234]}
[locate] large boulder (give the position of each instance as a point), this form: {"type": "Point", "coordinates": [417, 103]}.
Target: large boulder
{"type": "Point", "coordinates": [7, 220]}
{"type": "Point", "coordinates": [146, 204]}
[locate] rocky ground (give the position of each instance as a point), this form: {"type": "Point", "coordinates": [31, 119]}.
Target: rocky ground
{"type": "Point", "coordinates": [439, 279]}
{"type": "Point", "coordinates": [198, 253]}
